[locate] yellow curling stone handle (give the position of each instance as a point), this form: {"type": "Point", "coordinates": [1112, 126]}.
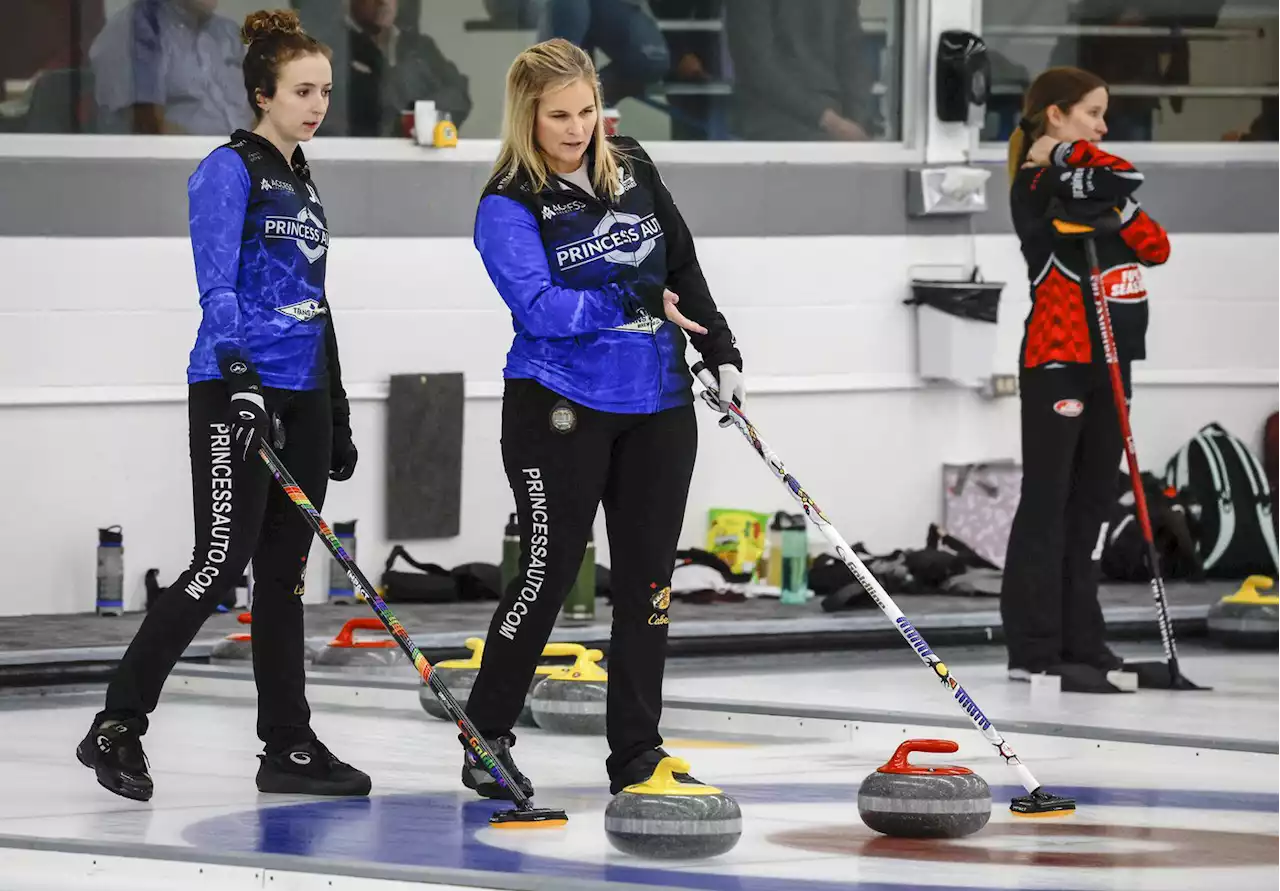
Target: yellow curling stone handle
{"type": "Point", "coordinates": [663, 783]}
{"type": "Point", "coordinates": [1249, 593]}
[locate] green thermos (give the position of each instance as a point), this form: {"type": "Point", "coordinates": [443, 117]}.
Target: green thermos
{"type": "Point", "coordinates": [580, 605]}
{"type": "Point", "coordinates": [510, 553]}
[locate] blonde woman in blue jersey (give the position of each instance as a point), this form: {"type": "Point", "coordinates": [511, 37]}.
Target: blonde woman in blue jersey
{"type": "Point", "coordinates": [265, 364]}
{"type": "Point", "coordinates": [585, 245]}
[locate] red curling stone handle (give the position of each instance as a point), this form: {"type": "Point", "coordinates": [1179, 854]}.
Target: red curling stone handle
{"type": "Point", "coordinates": [345, 637]}
{"type": "Point", "coordinates": [898, 762]}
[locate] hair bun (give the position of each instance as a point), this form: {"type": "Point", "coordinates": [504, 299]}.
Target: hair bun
{"type": "Point", "coordinates": [268, 23]}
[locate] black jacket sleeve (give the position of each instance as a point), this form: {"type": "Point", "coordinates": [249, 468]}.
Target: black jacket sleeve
{"type": "Point", "coordinates": [1083, 172]}
{"type": "Point", "coordinates": [684, 274]}
{"type": "Point", "coordinates": [337, 393]}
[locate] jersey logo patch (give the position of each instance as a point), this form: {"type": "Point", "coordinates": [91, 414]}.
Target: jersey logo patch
{"type": "Point", "coordinates": [1124, 283]}
{"type": "Point", "coordinates": [305, 230]}
{"type": "Point", "coordinates": [1069, 408]}
{"type": "Point", "coordinates": [303, 311]}
{"type": "Point", "coordinates": [646, 324]}
{"type": "Point", "coordinates": [623, 238]}
{"type": "Point", "coordinates": [549, 211]}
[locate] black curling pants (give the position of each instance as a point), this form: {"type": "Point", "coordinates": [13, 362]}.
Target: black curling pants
{"type": "Point", "coordinates": [1071, 450]}
{"type": "Point", "coordinates": [241, 513]}
{"type": "Point", "coordinates": [639, 466]}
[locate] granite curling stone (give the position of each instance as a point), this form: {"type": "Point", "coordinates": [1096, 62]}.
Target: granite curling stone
{"type": "Point", "coordinates": [904, 800]}
{"type": "Point", "coordinates": [459, 675]}
{"type": "Point", "coordinates": [573, 699]}
{"type": "Point", "coordinates": [456, 674]}
{"type": "Point", "coordinates": [1247, 618]}
{"type": "Point", "coordinates": [550, 651]}
{"type": "Point", "coordinates": [235, 647]}
{"type": "Point", "coordinates": [671, 816]}
{"type": "Point", "coordinates": [344, 651]}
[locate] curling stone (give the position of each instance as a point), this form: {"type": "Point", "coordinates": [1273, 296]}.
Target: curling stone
{"type": "Point", "coordinates": [550, 651]}
{"type": "Point", "coordinates": [458, 675]}
{"type": "Point", "coordinates": [671, 816]}
{"type": "Point", "coordinates": [1247, 618]}
{"type": "Point", "coordinates": [235, 647]}
{"type": "Point", "coordinates": [573, 699]}
{"type": "Point", "coordinates": [344, 651]}
{"type": "Point", "coordinates": [909, 801]}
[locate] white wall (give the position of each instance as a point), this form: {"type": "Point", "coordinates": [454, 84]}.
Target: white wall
{"type": "Point", "coordinates": [94, 335]}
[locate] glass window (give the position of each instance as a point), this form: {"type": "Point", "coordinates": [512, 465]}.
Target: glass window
{"type": "Point", "coordinates": [1178, 70]}
{"type": "Point", "coordinates": [826, 70]}
{"type": "Point", "coordinates": [45, 84]}
{"type": "Point", "coordinates": [669, 69]}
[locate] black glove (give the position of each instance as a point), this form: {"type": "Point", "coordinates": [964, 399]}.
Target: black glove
{"type": "Point", "coordinates": [342, 460]}
{"type": "Point", "coordinates": [249, 423]}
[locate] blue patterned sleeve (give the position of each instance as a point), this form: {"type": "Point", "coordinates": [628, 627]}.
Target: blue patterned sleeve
{"type": "Point", "coordinates": [507, 237]}
{"type": "Point", "coordinates": [218, 195]}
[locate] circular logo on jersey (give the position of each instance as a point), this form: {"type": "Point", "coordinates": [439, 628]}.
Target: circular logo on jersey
{"type": "Point", "coordinates": [626, 238]}
{"type": "Point", "coordinates": [238, 368]}
{"type": "Point", "coordinates": [1069, 408]}
{"type": "Point", "coordinates": [563, 418]}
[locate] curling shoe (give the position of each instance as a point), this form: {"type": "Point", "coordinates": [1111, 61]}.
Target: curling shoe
{"type": "Point", "coordinates": [113, 750]}
{"type": "Point", "coordinates": [475, 776]}
{"type": "Point", "coordinates": [309, 768]}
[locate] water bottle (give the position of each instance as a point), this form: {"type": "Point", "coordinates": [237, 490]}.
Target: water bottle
{"type": "Point", "coordinates": [795, 560]}
{"type": "Point", "coordinates": [773, 553]}
{"type": "Point", "coordinates": [340, 590]}
{"type": "Point", "coordinates": [580, 605]}
{"type": "Point", "coordinates": [110, 601]}
{"type": "Point", "coordinates": [510, 553]}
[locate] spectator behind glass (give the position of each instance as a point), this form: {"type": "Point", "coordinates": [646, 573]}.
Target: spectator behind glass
{"type": "Point", "coordinates": [1150, 61]}
{"type": "Point", "coordinates": [624, 30]}
{"type": "Point", "coordinates": [696, 58]}
{"type": "Point", "coordinates": [393, 67]}
{"type": "Point", "coordinates": [801, 76]}
{"type": "Point", "coordinates": [170, 66]}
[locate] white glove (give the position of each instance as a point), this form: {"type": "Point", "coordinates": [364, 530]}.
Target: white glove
{"type": "Point", "coordinates": [731, 386]}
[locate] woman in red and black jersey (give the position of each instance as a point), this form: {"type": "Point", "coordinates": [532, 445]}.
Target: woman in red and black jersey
{"type": "Point", "coordinates": [1071, 442]}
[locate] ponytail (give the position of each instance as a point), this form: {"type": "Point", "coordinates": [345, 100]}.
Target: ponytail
{"type": "Point", "coordinates": [1018, 148]}
{"type": "Point", "coordinates": [1029, 129]}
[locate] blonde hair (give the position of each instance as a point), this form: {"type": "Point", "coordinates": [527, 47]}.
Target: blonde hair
{"type": "Point", "coordinates": [1061, 87]}
{"type": "Point", "coordinates": [544, 68]}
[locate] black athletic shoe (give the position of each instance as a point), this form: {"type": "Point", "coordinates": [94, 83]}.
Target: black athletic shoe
{"type": "Point", "coordinates": [641, 768]}
{"type": "Point", "coordinates": [113, 749]}
{"type": "Point", "coordinates": [1076, 678]}
{"type": "Point", "coordinates": [475, 776]}
{"type": "Point", "coordinates": [310, 769]}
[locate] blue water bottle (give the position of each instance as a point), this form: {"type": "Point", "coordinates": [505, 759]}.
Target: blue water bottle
{"type": "Point", "coordinates": [110, 600]}
{"type": "Point", "coordinates": [340, 590]}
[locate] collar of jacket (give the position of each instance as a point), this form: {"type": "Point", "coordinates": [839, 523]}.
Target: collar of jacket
{"type": "Point", "coordinates": [521, 182]}
{"type": "Point", "coordinates": [299, 164]}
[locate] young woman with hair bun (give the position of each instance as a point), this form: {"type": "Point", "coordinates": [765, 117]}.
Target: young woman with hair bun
{"type": "Point", "coordinates": [264, 366]}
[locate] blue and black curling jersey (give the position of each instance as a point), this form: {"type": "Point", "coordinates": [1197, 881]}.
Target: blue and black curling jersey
{"type": "Point", "coordinates": [583, 278]}
{"type": "Point", "coordinates": [259, 238]}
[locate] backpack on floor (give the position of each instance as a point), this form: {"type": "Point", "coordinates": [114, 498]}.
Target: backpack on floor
{"type": "Point", "coordinates": [1124, 550]}
{"type": "Point", "coordinates": [1230, 501]}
